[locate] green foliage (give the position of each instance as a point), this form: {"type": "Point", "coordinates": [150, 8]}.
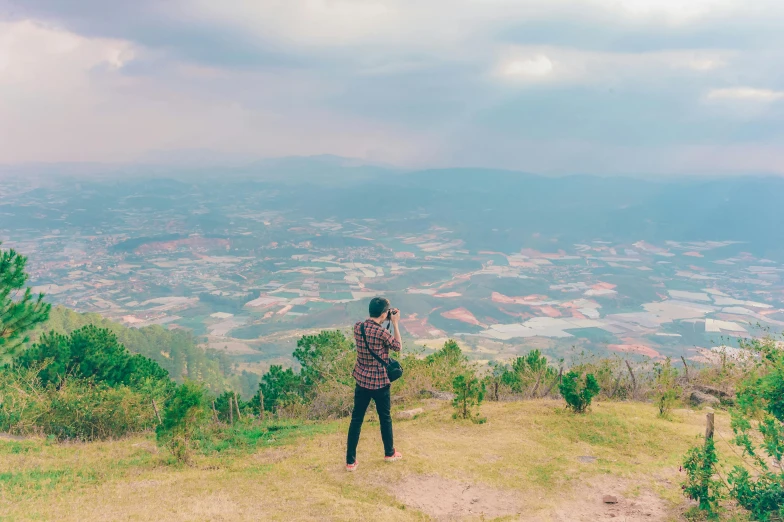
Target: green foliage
{"type": "Point", "coordinates": [436, 371]}
{"type": "Point", "coordinates": [279, 387]}
{"type": "Point", "coordinates": [666, 389]}
{"type": "Point", "coordinates": [760, 408]}
{"type": "Point", "coordinates": [700, 484]}
{"type": "Point", "coordinates": [76, 409]}
{"type": "Point", "coordinates": [325, 357]}
{"type": "Point", "coordinates": [578, 392]}
{"type": "Point", "coordinates": [90, 352]}
{"type": "Point", "coordinates": [469, 392]}
{"type": "Point", "coordinates": [18, 314]}
{"type": "Point", "coordinates": [449, 354]}
{"type": "Point", "coordinates": [184, 415]}
{"type": "Point", "coordinates": [327, 362]}
{"type": "Point", "coordinates": [530, 375]}
{"type": "Point", "coordinates": [249, 433]}
{"type": "Point", "coordinates": [176, 351]}
{"type": "Point", "coordinates": [613, 376]}
{"type": "Point", "coordinates": [227, 403]}
{"type": "Point", "coordinates": [83, 386]}
{"type": "Point", "coordinates": [762, 495]}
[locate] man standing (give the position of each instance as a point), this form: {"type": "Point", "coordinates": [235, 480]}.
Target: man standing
{"type": "Point", "coordinates": [371, 377]}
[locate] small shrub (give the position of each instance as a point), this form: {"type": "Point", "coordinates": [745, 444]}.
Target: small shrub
{"type": "Point", "coordinates": [700, 485]}
{"type": "Point", "coordinates": [527, 376]}
{"type": "Point", "coordinates": [666, 389]}
{"type": "Point", "coordinates": [469, 392]}
{"type": "Point", "coordinates": [185, 413]}
{"type": "Point", "coordinates": [578, 393]}
{"type": "Point", "coordinates": [436, 371]}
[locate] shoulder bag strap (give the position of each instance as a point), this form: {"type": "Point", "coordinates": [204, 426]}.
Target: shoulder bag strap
{"type": "Point", "coordinates": [375, 356]}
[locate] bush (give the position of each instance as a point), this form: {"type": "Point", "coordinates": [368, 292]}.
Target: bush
{"type": "Point", "coordinates": [83, 410]}
{"type": "Point", "coordinates": [614, 377]}
{"type": "Point", "coordinates": [666, 389]}
{"type": "Point", "coordinates": [527, 376]}
{"type": "Point", "coordinates": [327, 360]}
{"type": "Point", "coordinates": [762, 495]}
{"type": "Point", "coordinates": [578, 393]}
{"type": "Point", "coordinates": [278, 387]}
{"type": "Point", "coordinates": [436, 371]}
{"type": "Point", "coordinates": [185, 414]}
{"type": "Point", "coordinates": [77, 409]}
{"type": "Point", "coordinates": [757, 424]}
{"type": "Point", "coordinates": [469, 393]}
{"type": "Point", "coordinates": [89, 352]}
{"type": "Point", "coordinates": [699, 464]}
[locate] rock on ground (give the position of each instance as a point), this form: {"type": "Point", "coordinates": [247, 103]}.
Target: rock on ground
{"type": "Point", "coordinates": [699, 398]}
{"type": "Point", "coordinates": [410, 414]}
{"type": "Point", "coordinates": [439, 395]}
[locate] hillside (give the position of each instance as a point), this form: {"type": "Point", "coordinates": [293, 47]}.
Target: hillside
{"type": "Point", "coordinates": [530, 461]}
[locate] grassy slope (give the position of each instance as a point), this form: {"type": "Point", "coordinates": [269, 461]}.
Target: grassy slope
{"type": "Point", "coordinates": [526, 450]}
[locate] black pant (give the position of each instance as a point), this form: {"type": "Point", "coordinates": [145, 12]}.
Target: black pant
{"type": "Point", "coordinates": [362, 398]}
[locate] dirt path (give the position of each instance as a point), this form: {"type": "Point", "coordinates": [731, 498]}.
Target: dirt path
{"type": "Point", "coordinates": [445, 499]}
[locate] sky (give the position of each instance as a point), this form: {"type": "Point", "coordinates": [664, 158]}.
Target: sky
{"type": "Point", "coordinates": [642, 87]}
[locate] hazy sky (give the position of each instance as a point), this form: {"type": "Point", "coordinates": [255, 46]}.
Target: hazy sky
{"type": "Point", "coordinates": [600, 86]}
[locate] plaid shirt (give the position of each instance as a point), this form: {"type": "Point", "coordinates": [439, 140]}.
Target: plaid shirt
{"type": "Point", "coordinates": [368, 372]}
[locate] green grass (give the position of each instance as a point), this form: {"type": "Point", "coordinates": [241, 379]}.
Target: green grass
{"type": "Point", "coordinates": [248, 436]}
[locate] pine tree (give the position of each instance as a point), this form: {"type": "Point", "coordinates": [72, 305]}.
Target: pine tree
{"type": "Point", "coordinates": [469, 393]}
{"type": "Point", "coordinates": [20, 310]}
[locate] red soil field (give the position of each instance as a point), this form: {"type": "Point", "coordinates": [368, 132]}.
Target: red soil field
{"type": "Point", "coordinates": [463, 315]}
{"type": "Point", "coordinates": [549, 311]}
{"type": "Point", "coordinates": [501, 298]}
{"type": "Point", "coordinates": [640, 349]}
{"type": "Point", "coordinates": [418, 327]}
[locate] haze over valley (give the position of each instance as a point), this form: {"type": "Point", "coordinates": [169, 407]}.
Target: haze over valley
{"type": "Point", "coordinates": [248, 259]}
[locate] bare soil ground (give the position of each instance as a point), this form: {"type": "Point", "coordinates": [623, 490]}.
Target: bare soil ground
{"type": "Point", "coordinates": [445, 499]}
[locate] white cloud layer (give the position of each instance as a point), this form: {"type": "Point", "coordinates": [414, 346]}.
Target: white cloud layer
{"type": "Point", "coordinates": [63, 97]}
{"type": "Point", "coordinates": [746, 94]}
{"type": "Point", "coordinates": [565, 65]}
{"type": "Point", "coordinates": [433, 82]}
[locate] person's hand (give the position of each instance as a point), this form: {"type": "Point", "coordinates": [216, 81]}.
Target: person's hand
{"type": "Point", "coordinates": [394, 315]}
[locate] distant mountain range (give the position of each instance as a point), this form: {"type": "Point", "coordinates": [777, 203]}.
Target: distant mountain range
{"type": "Point", "coordinates": [489, 209]}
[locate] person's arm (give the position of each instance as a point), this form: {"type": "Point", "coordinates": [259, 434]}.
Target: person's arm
{"type": "Point", "coordinates": [395, 319]}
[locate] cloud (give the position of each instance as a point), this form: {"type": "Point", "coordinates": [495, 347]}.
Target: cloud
{"type": "Point", "coordinates": [420, 83]}
{"type": "Point", "coordinates": [525, 64]}
{"type": "Point", "coordinates": [71, 98]}
{"type": "Point", "coordinates": [34, 53]}
{"type": "Point", "coordinates": [746, 94]}
{"type": "Point", "coordinates": [536, 66]}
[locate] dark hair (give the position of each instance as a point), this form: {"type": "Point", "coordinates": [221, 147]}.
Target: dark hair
{"type": "Point", "coordinates": [378, 305]}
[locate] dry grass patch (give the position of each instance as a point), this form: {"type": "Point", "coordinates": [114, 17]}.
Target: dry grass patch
{"type": "Point", "coordinates": [524, 460]}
